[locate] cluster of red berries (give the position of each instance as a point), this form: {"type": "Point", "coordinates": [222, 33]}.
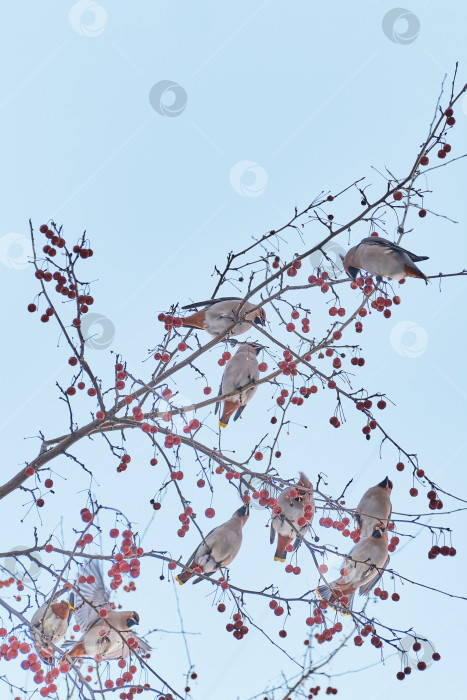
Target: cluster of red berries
{"type": "Point", "coordinates": [319, 281]}
{"type": "Point", "coordinates": [121, 565]}
{"type": "Point", "coordinates": [364, 632]}
{"type": "Point", "coordinates": [334, 311]}
{"type": "Point", "coordinates": [382, 304]}
{"type": "Point", "coordinates": [327, 634]}
{"type": "Point", "coordinates": [294, 268]}
{"type": "Point", "coordinates": [435, 503]}
{"type": "Point", "coordinates": [226, 356]}
{"type": "Point", "coordinates": [340, 526]}
{"type": "Point", "coordinates": [126, 459]}
{"type": "Point", "coordinates": [421, 665]}
{"type": "Point", "coordinates": [394, 541]}
{"type": "Point", "coordinates": [6, 583]}
{"type": "Point", "coordinates": [32, 663]}
{"type": "Point", "coordinates": [384, 595]}
{"type": "Point", "coordinates": [287, 365]}
{"type": "Point", "coordinates": [185, 520]}
{"type": "Point", "coordinates": [194, 424]}
{"type": "Point", "coordinates": [445, 551]}
{"type": "Point", "coordinates": [331, 691]}
{"type": "Point", "coordinates": [170, 322]}
{"type": "Point", "coordinates": [237, 627]}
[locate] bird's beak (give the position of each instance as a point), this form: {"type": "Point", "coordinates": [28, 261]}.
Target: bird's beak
{"type": "Point", "coordinates": [386, 484]}
{"type": "Point", "coordinates": [69, 604]}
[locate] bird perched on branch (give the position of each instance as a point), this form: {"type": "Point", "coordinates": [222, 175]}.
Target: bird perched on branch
{"type": "Point", "coordinates": [49, 624]}
{"type": "Point", "coordinates": [363, 567]}
{"type": "Point", "coordinates": [293, 522]}
{"type": "Point", "coordinates": [108, 637]}
{"type": "Point", "coordinates": [219, 548]}
{"type": "Point", "coordinates": [380, 257]}
{"type": "Point", "coordinates": [241, 370]}
{"type": "Point", "coordinates": [375, 506]}
{"type": "Point", "coordinates": [219, 314]}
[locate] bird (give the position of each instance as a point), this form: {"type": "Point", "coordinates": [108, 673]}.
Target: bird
{"type": "Point", "coordinates": [241, 370]}
{"type": "Point", "coordinates": [219, 548]}
{"type": "Point", "coordinates": [104, 638]}
{"type": "Point", "coordinates": [363, 567]}
{"type": "Point", "coordinates": [375, 506]}
{"type": "Point", "coordinates": [219, 314]}
{"type": "Point", "coordinates": [296, 503]}
{"type": "Point", "coordinates": [49, 624]}
{"type": "Point", "coordinates": [380, 257]}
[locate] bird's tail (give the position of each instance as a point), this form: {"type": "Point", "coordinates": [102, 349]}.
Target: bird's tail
{"type": "Point", "coordinates": [229, 409]}
{"type": "Point", "coordinates": [184, 577]}
{"type": "Point", "coordinates": [413, 271]}
{"type": "Point", "coordinates": [331, 594]}
{"type": "Point", "coordinates": [325, 593]}
{"type": "Point", "coordinates": [282, 542]}
{"type": "Point", "coordinates": [195, 321]}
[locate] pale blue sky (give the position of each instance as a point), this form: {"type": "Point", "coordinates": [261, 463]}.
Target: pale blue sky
{"type": "Point", "coordinates": [313, 96]}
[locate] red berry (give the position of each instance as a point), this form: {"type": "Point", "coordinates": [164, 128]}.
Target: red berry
{"type": "Point", "coordinates": [398, 195]}
{"type": "Point", "coordinates": [424, 160]}
{"type": "Point", "coordinates": [210, 512]}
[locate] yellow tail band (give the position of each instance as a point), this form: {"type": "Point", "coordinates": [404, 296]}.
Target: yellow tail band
{"type": "Point", "coordinates": [180, 582]}
{"type": "Point", "coordinates": [279, 559]}
{"type": "Point", "coordinates": [222, 425]}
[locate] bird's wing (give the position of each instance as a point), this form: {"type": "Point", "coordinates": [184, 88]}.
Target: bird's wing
{"type": "Point", "coordinates": [142, 648]}
{"type": "Point", "coordinates": [384, 243]}
{"type": "Point", "coordinates": [202, 548]}
{"type": "Point", "coordinates": [218, 403]}
{"type": "Point", "coordinates": [272, 535]}
{"type": "Point", "coordinates": [209, 302]}
{"type": "Point", "coordinates": [364, 590]}
{"type": "Point", "coordinates": [239, 412]}
{"type": "Point", "coordinates": [96, 593]}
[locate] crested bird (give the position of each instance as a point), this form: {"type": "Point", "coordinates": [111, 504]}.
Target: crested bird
{"type": "Point", "coordinates": [219, 548]}
{"type": "Point", "coordinates": [380, 257]}
{"type": "Point", "coordinates": [219, 314]}
{"type": "Point", "coordinates": [49, 625]}
{"type": "Point", "coordinates": [108, 637]}
{"type": "Point", "coordinates": [375, 506]}
{"type": "Point", "coordinates": [363, 567]}
{"type": "Point", "coordinates": [293, 522]}
{"type": "Point", "coordinates": [241, 370]}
